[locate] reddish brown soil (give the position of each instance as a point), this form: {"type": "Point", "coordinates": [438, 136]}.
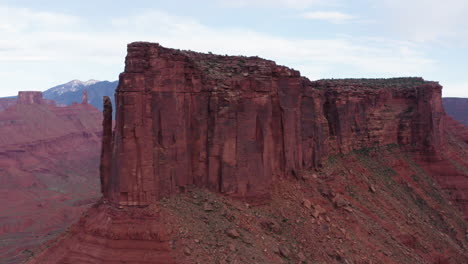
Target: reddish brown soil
{"type": "Point", "coordinates": [376, 205]}
{"type": "Point", "coordinates": [48, 171]}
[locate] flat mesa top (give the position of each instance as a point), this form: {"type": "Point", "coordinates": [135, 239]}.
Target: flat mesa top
{"type": "Point", "coordinates": [234, 67]}
{"type": "Point", "coordinates": [399, 82]}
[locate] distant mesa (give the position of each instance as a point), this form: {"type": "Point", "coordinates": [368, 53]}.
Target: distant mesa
{"type": "Point", "coordinates": [66, 94]}
{"type": "Point", "coordinates": [36, 97]}
{"type": "Point", "coordinates": [29, 97]}
{"type": "Point", "coordinates": [32, 97]}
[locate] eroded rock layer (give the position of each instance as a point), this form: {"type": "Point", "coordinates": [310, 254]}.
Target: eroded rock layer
{"type": "Point", "coordinates": [48, 171]}
{"type": "Point", "coordinates": [234, 124]}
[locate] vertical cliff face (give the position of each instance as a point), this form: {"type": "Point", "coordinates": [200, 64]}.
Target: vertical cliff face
{"type": "Point", "coordinates": [235, 124]}
{"type": "Point", "coordinates": [185, 118]}
{"type": "Point", "coordinates": [377, 112]}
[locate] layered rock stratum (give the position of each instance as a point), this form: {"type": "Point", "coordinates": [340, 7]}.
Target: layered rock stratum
{"type": "Point", "coordinates": [48, 170]}
{"type": "Point", "coordinates": [232, 159]}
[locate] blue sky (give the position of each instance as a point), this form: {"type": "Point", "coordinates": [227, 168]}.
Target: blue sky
{"type": "Point", "coordinates": [45, 43]}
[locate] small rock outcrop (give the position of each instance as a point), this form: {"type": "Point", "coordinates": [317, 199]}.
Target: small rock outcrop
{"type": "Point", "coordinates": [235, 124]}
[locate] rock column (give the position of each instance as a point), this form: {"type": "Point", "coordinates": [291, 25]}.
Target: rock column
{"type": "Point", "coordinates": [106, 150]}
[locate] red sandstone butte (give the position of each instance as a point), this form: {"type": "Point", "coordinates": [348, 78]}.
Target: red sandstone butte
{"type": "Point", "coordinates": [235, 124]}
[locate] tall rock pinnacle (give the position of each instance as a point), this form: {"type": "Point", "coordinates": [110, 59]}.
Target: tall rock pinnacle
{"type": "Point", "coordinates": [84, 97]}
{"type": "Point", "coordinates": [106, 149]}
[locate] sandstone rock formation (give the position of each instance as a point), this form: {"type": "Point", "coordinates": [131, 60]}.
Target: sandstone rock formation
{"type": "Point", "coordinates": [235, 124]}
{"type": "Point", "coordinates": [84, 97]}
{"type": "Point", "coordinates": [106, 148]}
{"type": "Point", "coordinates": [30, 97]}
{"type": "Point", "coordinates": [48, 170]}
{"type": "Point", "coordinates": [330, 171]}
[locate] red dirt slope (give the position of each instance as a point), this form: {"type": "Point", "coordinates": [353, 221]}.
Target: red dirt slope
{"type": "Point", "coordinates": [374, 205]}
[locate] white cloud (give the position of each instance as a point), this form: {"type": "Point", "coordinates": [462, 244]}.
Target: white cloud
{"type": "Point", "coordinates": [455, 89]}
{"type": "Point", "coordinates": [316, 58]}
{"type": "Point", "coordinates": [23, 19]}
{"type": "Point", "coordinates": [69, 52]}
{"type": "Point", "coordinates": [427, 20]}
{"type": "Point", "coordinates": [295, 4]}
{"type": "Point", "coordinates": [329, 16]}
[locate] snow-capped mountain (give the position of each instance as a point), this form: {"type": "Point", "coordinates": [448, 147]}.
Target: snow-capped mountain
{"type": "Point", "coordinates": [72, 86]}
{"type": "Point", "coordinates": [72, 91]}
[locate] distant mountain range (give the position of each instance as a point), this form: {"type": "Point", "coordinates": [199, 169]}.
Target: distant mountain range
{"type": "Point", "coordinates": [72, 91]}
{"type": "Point", "coordinates": [457, 108]}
